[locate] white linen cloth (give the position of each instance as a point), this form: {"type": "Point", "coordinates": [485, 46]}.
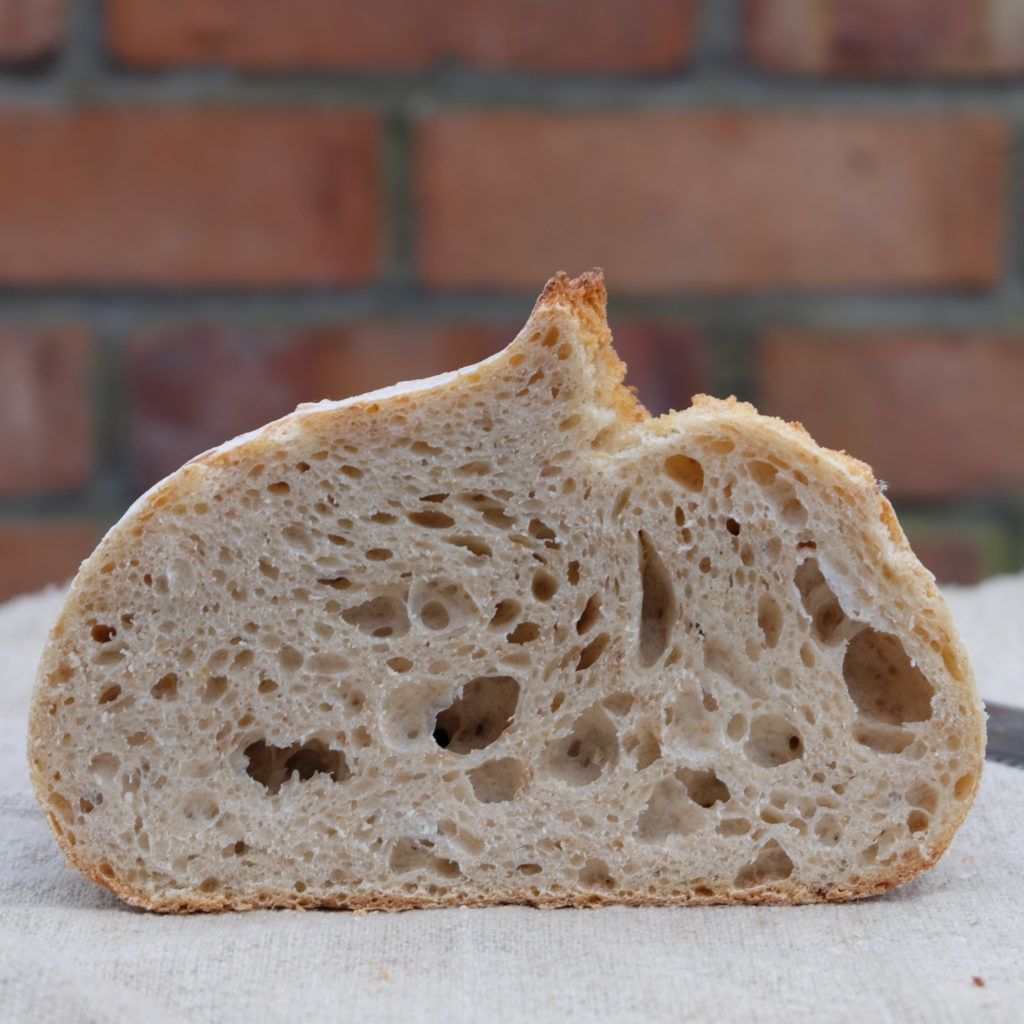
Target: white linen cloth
{"type": "Point", "coordinates": [949, 946]}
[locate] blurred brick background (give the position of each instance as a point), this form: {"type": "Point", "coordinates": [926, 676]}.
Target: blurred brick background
{"type": "Point", "coordinates": [211, 210]}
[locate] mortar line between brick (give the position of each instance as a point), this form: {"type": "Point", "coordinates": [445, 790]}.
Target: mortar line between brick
{"type": "Point", "coordinates": [79, 70]}
{"type": "Point", "coordinates": [117, 308]}
{"type": "Point", "coordinates": [1013, 244]}
{"type": "Point", "coordinates": [111, 421]}
{"type": "Point", "coordinates": [398, 204]}
{"type": "Point", "coordinates": [718, 33]}
{"type": "Point", "coordinates": [83, 73]}
{"type": "Point", "coordinates": [730, 361]}
{"type": "Point", "coordinates": [56, 508]}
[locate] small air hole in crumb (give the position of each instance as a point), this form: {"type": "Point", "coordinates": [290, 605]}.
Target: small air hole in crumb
{"type": "Point", "coordinates": [545, 586]}
{"type": "Point", "coordinates": [497, 781]}
{"type": "Point", "coordinates": [658, 602]}
{"type": "Point", "coordinates": [481, 713]}
{"type": "Point", "coordinates": [524, 633]}
{"type": "Point", "coordinates": [423, 448]}
{"type": "Point", "coordinates": [771, 864]}
{"type": "Point", "coordinates": [103, 634]}
{"type": "Point", "coordinates": [581, 756]}
{"type": "Point", "coordinates": [166, 687]}
{"type": "Point", "coordinates": [475, 545]}
{"type": "Point", "coordinates": [336, 582]}
{"type": "Point", "coordinates": [773, 742]}
{"type": "Point", "coordinates": [505, 611]}
{"type": "Point", "coordinates": [382, 616]}
{"type": "Point", "coordinates": [762, 473]}
{"type": "Point", "coordinates": [431, 519]}
{"type": "Point", "coordinates": [593, 651]}
{"type": "Point", "coordinates": [590, 614]}
{"type": "Point", "coordinates": [917, 821]}
{"type": "Point", "coordinates": [964, 786]}
{"type": "Point", "coordinates": [769, 619]}
{"type": "Point", "coordinates": [595, 875]}
{"type": "Point", "coordinates": [685, 471]}
{"type": "Point", "coordinates": [704, 788]}
{"type": "Point", "coordinates": [434, 615]}
{"type": "Point", "coordinates": [215, 688]}
{"type": "Point", "coordinates": [289, 658]}
{"type": "Point", "coordinates": [618, 703]}
{"type": "Point", "coordinates": [884, 684]}
{"type": "Point", "coordinates": [272, 766]}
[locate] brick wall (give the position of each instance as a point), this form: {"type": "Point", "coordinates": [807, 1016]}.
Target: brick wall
{"type": "Point", "coordinates": [211, 211]}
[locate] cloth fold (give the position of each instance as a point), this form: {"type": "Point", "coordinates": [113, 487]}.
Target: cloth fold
{"type": "Point", "coordinates": [946, 947]}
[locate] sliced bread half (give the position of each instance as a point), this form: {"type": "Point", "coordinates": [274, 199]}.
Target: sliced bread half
{"type": "Point", "coordinates": [499, 636]}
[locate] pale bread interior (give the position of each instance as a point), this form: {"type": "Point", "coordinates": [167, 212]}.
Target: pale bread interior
{"type": "Point", "coordinates": [502, 637]}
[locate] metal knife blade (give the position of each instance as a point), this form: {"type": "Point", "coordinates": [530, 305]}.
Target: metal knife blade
{"type": "Point", "coordinates": [1005, 734]}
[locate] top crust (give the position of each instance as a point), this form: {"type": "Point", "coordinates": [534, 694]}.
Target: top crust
{"type": "Point", "coordinates": [704, 624]}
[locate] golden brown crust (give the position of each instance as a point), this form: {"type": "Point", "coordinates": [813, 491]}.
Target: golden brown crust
{"type": "Point", "coordinates": [771, 895]}
{"type": "Point", "coordinates": [584, 300]}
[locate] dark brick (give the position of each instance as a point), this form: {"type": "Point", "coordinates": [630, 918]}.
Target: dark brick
{"type": "Point", "coordinates": [45, 410]}
{"type": "Point", "coordinates": [31, 30]}
{"type": "Point", "coordinates": [886, 38]}
{"type": "Point", "coordinates": [604, 36]}
{"type": "Point", "coordinates": [34, 554]}
{"type": "Point", "coordinates": [680, 200]}
{"type": "Point", "coordinates": [936, 415]}
{"type": "Point", "coordinates": [188, 197]}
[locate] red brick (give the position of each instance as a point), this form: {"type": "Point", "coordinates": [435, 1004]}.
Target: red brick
{"type": "Point", "coordinates": [194, 387]}
{"type": "Point", "coordinates": [951, 558]}
{"type": "Point", "coordinates": [666, 364]}
{"type": "Point", "coordinates": [31, 29]}
{"type": "Point", "coordinates": [606, 36]}
{"type": "Point", "coordinates": [886, 38]}
{"type": "Point", "coordinates": [936, 415]}
{"type": "Point", "coordinates": [34, 554]}
{"type": "Point", "coordinates": [207, 197]}
{"type": "Point", "coordinates": [45, 412]}
{"type": "Point", "coordinates": [671, 200]}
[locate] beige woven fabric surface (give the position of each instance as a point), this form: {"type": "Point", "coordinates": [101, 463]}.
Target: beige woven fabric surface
{"type": "Point", "coordinates": [947, 947]}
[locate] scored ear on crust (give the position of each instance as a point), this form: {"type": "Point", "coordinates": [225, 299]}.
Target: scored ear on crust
{"type": "Point", "coordinates": [499, 636]}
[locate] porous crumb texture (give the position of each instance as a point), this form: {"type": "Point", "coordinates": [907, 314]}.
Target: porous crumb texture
{"type": "Point", "coordinates": [502, 637]}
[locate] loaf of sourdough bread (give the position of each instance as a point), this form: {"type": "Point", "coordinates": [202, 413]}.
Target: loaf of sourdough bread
{"type": "Point", "coordinates": [499, 636]}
